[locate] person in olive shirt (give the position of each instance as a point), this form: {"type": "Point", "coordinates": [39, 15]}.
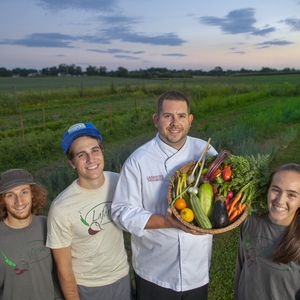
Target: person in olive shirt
{"type": "Point", "coordinates": [27, 270]}
{"type": "Point", "coordinates": [268, 262]}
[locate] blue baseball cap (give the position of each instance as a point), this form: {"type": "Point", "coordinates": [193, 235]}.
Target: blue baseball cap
{"type": "Point", "coordinates": [76, 130]}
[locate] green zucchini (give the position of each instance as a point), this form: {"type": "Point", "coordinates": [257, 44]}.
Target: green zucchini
{"type": "Point", "coordinates": [201, 218]}
{"type": "Point", "coordinates": [206, 198]}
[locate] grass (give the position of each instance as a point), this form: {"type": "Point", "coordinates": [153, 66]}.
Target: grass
{"type": "Point", "coordinates": [225, 245]}
{"type": "Point", "coordinates": [239, 118]}
{"type": "Point", "coordinates": [41, 83]}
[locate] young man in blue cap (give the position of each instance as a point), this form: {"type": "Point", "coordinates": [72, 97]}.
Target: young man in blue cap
{"type": "Point", "coordinates": [87, 246]}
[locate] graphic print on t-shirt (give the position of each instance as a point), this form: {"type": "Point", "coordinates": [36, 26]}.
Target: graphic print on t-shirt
{"type": "Point", "coordinates": [97, 217]}
{"type": "Point", "coordinates": [259, 250]}
{"type": "Point", "coordinates": [24, 257]}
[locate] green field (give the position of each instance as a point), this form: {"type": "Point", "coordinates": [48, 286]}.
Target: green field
{"type": "Point", "coordinates": [8, 84]}
{"type": "Point", "coordinates": [247, 115]}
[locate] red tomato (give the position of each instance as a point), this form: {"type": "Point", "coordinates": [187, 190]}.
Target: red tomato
{"type": "Point", "coordinates": [226, 174]}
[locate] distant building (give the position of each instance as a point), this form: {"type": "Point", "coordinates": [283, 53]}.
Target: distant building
{"type": "Point", "coordinates": [32, 74]}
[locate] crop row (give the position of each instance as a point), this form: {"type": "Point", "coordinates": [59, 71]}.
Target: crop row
{"type": "Point", "coordinates": [245, 120]}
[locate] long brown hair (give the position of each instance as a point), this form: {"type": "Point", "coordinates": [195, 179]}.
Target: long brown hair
{"type": "Point", "coordinates": [39, 200]}
{"type": "Point", "coordinates": [289, 248]}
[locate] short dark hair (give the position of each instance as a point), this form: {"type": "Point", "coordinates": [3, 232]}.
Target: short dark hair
{"type": "Point", "coordinates": [171, 95]}
{"type": "Point", "coordinates": [70, 153]}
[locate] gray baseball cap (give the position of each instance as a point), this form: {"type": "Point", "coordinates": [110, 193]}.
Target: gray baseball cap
{"type": "Point", "coordinates": [14, 177]}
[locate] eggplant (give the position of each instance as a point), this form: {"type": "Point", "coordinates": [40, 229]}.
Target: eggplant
{"type": "Point", "coordinates": [219, 216]}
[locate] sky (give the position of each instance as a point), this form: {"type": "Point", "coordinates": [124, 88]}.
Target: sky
{"type": "Point", "coordinates": [140, 34]}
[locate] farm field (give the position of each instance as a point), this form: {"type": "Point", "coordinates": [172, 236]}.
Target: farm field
{"type": "Point", "coordinates": [247, 115]}
{"type": "Point", "coordinates": [41, 83]}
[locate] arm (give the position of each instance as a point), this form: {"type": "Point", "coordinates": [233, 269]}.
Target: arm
{"type": "Point", "coordinates": [168, 221]}
{"type": "Point", "coordinates": [63, 260]}
{"type": "Point", "coordinates": [134, 204]}
{"type": "Point", "coordinates": [239, 263]}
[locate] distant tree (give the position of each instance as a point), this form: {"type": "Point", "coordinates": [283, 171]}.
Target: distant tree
{"type": "Point", "coordinates": [91, 71]}
{"type": "Point", "coordinates": [53, 71]}
{"type": "Point", "coordinates": [218, 71]}
{"type": "Point", "coordinates": [136, 74]}
{"type": "Point", "coordinates": [78, 70]}
{"type": "Point", "coordinates": [5, 73]}
{"type": "Point", "coordinates": [267, 70]}
{"type": "Point", "coordinates": [102, 71]}
{"type": "Point", "coordinates": [185, 74]}
{"type": "Point", "coordinates": [17, 71]}
{"type": "Point", "coordinates": [229, 72]}
{"type": "Point", "coordinates": [45, 72]}
{"type": "Point", "coordinates": [197, 72]}
{"type": "Point", "coordinates": [63, 69]}
{"type": "Point", "coordinates": [71, 69]}
{"type": "Point", "coordinates": [122, 72]}
{"type": "Point", "coordinates": [23, 72]}
{"type": "Point", "coordinates": [244, 71]}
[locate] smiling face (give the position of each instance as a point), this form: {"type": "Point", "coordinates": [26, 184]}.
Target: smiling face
{"type": "Point", "coordinates": [18, 203]}
{"type": "Point", "coordinates": [173, 123]}
{"type": "Point", "coordinates": [89, 162]}
{"type": "Point", "coordinates": [284, 197]}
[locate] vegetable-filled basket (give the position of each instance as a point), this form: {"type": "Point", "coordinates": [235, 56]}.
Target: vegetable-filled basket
{"type": "Point", "coordinates": [215, 194]}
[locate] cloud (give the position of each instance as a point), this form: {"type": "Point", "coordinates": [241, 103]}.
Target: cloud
{"type": "Point", "coordinates": [117, 20]}
{"type": "Point", "coordinates": [110, 51]}
{"type": "Point", "coordinates": [125, 34]}
{"type": "Point", "coordinates": [263, 32]}
{"type": "Point", "coordinates": [51, 40]}
{"type": "Point", "coordinates": [114, 51]}
{"type": "Point", "coordinates": [89, 5]}
{"type": "Point", "coordinates": [238, 52]}
{"type": "Point", "coordinates": [138, 52]}
{"type": "Point", "coordinates": [127, 57]}
{"type": "Point", "coordinates": [263, 47]}
{"type": "Point", "coordinates": [106, 36]}
{"type": "Point", "coordinates": [274, 43]}
{"type": "Point", "coordinates": [294, 24]}
{"type": "Point", "coordinates": [175, 54]}
{"type": "Point", "coordinates": [237, 22]}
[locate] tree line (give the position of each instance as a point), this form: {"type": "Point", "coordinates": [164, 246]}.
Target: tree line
{"type": "Point", "coordinates": [150, 73]}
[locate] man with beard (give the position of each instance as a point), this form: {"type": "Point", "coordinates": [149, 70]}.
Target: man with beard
{"type": "Point", "coordinates": [170, 261]}
{"type": "Point", "coordinates": [27, 269]}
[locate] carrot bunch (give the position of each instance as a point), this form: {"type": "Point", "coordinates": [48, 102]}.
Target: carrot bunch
{"type": "Point", "coordinates": [235, 208]}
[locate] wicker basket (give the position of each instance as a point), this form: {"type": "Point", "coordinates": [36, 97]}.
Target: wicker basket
{"type": "Point", "coordinates": [187, 168]}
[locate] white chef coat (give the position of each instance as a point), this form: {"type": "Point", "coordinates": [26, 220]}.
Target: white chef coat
{"type": "Point", "coordinates": [168, 257]}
